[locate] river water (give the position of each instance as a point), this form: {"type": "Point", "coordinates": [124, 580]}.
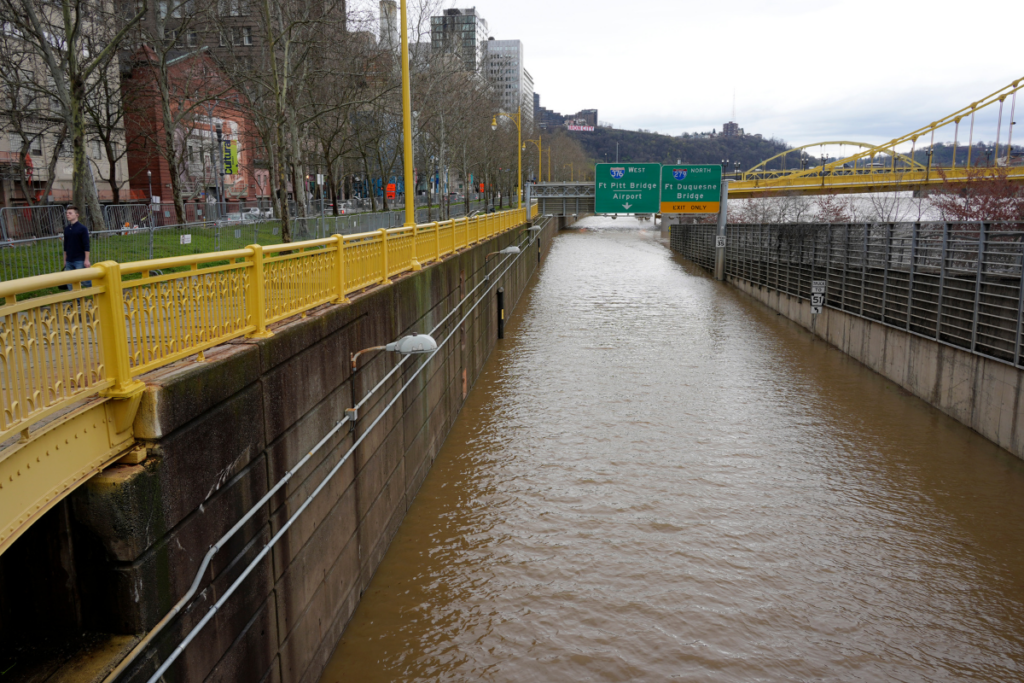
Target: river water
{"type": "Point", "coordinates": [658, 479]}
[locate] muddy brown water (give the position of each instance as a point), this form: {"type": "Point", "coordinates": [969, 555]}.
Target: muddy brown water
{"type": "Point", "coordinates": [658, 479]}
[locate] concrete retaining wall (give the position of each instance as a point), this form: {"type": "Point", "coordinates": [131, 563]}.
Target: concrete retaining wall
{"type": "Point", "coordinates": [981, 393]}
{"type": "Point", "coordinates": [223, 432]}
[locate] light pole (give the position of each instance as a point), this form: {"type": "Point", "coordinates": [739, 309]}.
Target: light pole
{"type": "Point", "coordinates": [540, 158]}
{"type": "Point", "coordinates": [571, 170]}
{"type": "Point", "coordinates": [410, 206]}
{"type": "Point", "coordinates": [149, 177]}
{"type": "Point", "coordinates": [517, 119]}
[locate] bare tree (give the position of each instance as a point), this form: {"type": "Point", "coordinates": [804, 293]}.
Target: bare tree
{"type": "Point", "coordinates": [33, 118]}
{"type": "Point", "coordinates": [75, 40]}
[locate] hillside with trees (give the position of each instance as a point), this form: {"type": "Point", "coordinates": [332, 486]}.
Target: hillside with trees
{"type": "Point", "coordinates": [635, 146]}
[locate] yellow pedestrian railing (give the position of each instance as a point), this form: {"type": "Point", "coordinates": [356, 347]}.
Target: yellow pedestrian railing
{"type": "Point", "coordinates": [58, 349]}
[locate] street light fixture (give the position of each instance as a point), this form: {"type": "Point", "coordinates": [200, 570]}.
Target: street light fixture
{"type": "Point", "coordinates": [413, 344]}
{"type": "Point", "coordinates": [507, 251]}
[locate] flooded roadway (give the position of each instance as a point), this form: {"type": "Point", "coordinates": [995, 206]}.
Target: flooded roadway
{"type": "Point", "coordinates": [657, 478]}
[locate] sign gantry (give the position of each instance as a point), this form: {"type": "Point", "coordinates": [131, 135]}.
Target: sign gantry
{"type": "Point", "coordinates": [653, 188]}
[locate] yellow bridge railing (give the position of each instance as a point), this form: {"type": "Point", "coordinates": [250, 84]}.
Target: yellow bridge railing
{"type": "Point", "coordinates": [58, 349]}
{"type": "Point", "coordinates": [849, 181]}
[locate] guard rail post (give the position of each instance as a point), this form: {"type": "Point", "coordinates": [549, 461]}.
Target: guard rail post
{"type": "Point", "coordinates": [257, 295]}
{"type": "Point", "coordinates": [340, 270]}
{"type": "Point", "coordinates": [114, 348]}
{"type": "Point", "coordinates": [113, 332]}
{"type": "Point", "coordinates": [437, 239]}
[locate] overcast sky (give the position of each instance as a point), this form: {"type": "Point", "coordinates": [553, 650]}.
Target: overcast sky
{"type": "Point", "coordinates": [801, 70]}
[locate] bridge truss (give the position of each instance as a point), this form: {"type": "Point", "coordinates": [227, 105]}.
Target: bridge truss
{"type": "Point", "coordinates": [858, 172]}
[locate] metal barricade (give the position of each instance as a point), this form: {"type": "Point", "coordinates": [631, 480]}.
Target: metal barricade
{"type": "Point", "coordinates": [32, 222]}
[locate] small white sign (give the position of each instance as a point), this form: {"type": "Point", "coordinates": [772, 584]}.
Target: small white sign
{"type": "Point", "coordinates": [238, 234]}
{"type": "Point", "coordinates": [186, 239]}
{"type": "Point", "coordinates": [720, 242]}
{"type": "Point", "coordinates": [156, 199]}
{"type": "Point", "coordinates": [275, 231]}
{"type": "Point", "coordinates": [818, 288]}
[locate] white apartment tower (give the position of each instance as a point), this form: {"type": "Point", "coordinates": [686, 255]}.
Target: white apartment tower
{"type": "Point", "coordinates": [505, 70]}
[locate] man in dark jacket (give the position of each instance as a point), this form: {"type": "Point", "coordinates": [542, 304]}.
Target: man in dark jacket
{"type": "Point", "coordinates": [76, 244]}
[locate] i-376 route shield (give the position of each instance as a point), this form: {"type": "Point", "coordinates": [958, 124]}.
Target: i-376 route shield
{"type": "Point", "coordinates": [627, 188]}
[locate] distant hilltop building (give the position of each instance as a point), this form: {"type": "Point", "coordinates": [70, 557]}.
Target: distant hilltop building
{"type": "Point", "coordinates": [731, 130]}
{"type": "Point", "coordinates": [584, 120]}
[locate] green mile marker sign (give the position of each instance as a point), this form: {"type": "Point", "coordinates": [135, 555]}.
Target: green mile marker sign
{"type": "Point", "coordinates": [627, 188]}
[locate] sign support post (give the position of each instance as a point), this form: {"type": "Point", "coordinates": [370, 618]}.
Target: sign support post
{"type": "Point", "coordinates": [723, 215]}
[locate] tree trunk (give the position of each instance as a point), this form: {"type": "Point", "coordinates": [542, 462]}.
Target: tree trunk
{"type": "Point", "coordinates": [84, 188]}
{"type": "Point", "coordinates": [286, 233]}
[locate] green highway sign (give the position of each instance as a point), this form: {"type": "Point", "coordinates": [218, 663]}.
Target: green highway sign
{"type": "Point", "coordinates": [691, 189]}
{"type": "Point", "coordinates": [627, 188]}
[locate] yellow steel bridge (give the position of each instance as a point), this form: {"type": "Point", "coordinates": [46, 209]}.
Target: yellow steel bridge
{"type": "Point", "coordinates": [862, 172]}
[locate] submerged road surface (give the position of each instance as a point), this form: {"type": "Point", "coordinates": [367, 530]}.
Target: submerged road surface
{"type": "Point", "coordinates": [659, 479]}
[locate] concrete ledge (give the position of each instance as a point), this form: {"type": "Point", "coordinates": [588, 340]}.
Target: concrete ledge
{"type": "Point", "coordinates": [981, 393]}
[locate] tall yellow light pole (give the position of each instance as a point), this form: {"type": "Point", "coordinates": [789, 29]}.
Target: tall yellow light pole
{"type": "Point", "coordinates": [410, 186]}
{"type": "Point", "coordinates": [540, 158]}
{"type": "Point", "coordinates": [516, 119]}
{"type": "Point", "coordinates": [571, 170]}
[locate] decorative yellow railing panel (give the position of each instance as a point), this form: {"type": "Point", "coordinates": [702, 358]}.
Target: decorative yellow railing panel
{"type": "Point", "coordinates": [363, 261]}
{"type": "Point", "coordinates": [298, 277]}
{"type": "Point", "coordinates": [171, 316]}
{"type": "Point", "coordinates": [50, 354]}
{"type": "Point", "coordinates": [400, 247]}
{"type": "Point", "coordinates": [58, 349]}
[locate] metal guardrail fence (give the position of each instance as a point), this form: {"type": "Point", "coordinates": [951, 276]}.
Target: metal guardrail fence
{"type": "Point", "coordinates": [63, 347]}
{"type": "Point", "coordinates": [959, 284]}
{"type": "Point", "coordinates": [136, 239]}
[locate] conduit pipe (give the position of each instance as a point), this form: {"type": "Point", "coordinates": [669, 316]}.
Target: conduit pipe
{"type": "Point", "coordinates": [298, 513]}
{"type": "Point", "coordinates": [179, 606]}
{"type": "Point", "coordinates": [214, 549]}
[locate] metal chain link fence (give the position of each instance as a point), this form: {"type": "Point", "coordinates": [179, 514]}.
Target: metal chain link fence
{"type": "Point", "coordinates": [33, 236]}
{"type": "Point", "coordinates": [956, 283]}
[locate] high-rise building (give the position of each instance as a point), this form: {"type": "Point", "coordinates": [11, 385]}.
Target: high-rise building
{"type": "Point", "coordinates": [389, 35]}
{"type": "Point", "coordinates": [461, 31]}
{"type": "Point", "coordinates": [504, 69]}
